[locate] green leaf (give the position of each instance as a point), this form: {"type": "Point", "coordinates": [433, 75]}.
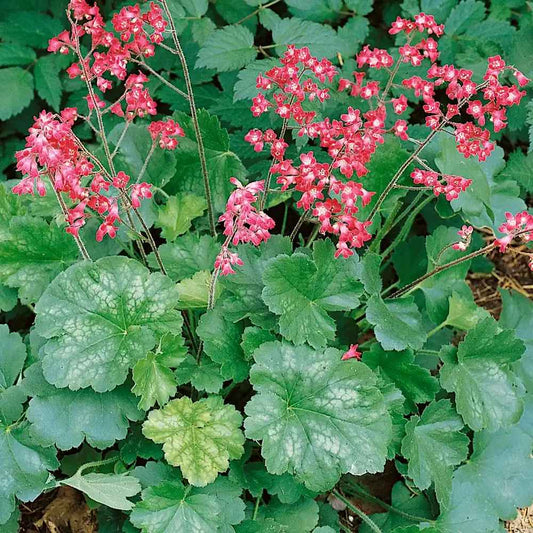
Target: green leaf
{"type": "Point", "coordinates": [136, 446]}
{"type": "Point", "coordinates": [415, 382]}
{"type": "Point", "coordinates": [244, 88]}
{"type": "Point", "coordinates": [438, 288]}
{"type": "Point", "coordinates": [66, 418]}
{"type": "Point", "coordinates": [194, 292]}
{"type": "Point", "coordinates": [433, 445]}
{"type": "Point", "coordinates": [245, 286]}
{"type": "Point", "coordinates": [397, 323]}
{"type": "Point", "coordinates": [352, 35]}
{"type": "Point", "coordinates": [368, 273]}
{"type": "Point", "coordinates": [175, 217]}
{"type": "Point", "coordinates": [517, 314]}
{"type": "Point", "coordinates": [17, 87]}
{"type": "Point", "coordinates": [170, 507]}
{"type": "Point", "coordinates": [100, 318]}
{"type": "Point", "coordinates": [497, 479]}
{"type": "Point", "coordinates": [464, 15]}
{"type": "Point", "coordinates": [47, 82]}
{"type": "Point", "coordinates": [301, 290]}
{"type": "Point", "coordinates": [222, 163]}
{"type": "Point", "coordinates": [463, 312]}
{"type": "Point", "coordinates": [30, 28]}
{"type": "Point", "coordinates": [520, 168]}
{"type": "Point", "coordinates": [12, 356]}
{"type": "Point", "coordinates": [15, 54]}
{"type": "Point", "coordinates": [199, 437]}
{"type": "Point", "coordinates": [299, 517]}
{"type": "Point", "coordinates": [253, 337]}
{"type": "Point", "coordinates": [187, 255]}
{"type": "Point", "coordinates": [222, 339]}
{"type": "Point", "coordinates": [230, 48]}
{"type": "Point", "coordinates": [113, 490]}
{"type": "Point", "coordinates": [321, 39]}
{"type": "Point", "coordinates": [33, 254]}
{"type": "Point", "coordinates": [318, 416]}
{"type": "Point", "coordinates": [361, 7]}
{"type": "Point", "coordinates": [405, 500]}
{"type": "Point", "coordinates": [316, 10]}
{"type": "Point", "coordinates": [25, 467]}
{"type": "Point", "coordinates": [195, 8]}
{"type": "Point", "coordinates": [134, 149]}
{"type": "Point", "coordinates": [154, 381]}
{"type": "Point", "coordinates": [479, 373]}
{"type": "Point", "coordinates": [205, 376]}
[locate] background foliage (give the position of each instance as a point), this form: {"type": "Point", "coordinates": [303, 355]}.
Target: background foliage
{"type": "Point", "coordinates": [460, 439]}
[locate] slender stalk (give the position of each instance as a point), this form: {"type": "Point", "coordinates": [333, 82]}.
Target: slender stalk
{"type": "Point", "coordinates": [120, 139]}
{"type": "Point", "coordinates": [413, 285]}
{"type": "Point", "coordinates": [146, 161]}
{"type": "Point", "coordinates": [194, 116]}
{"type": "Point", "coordinates": [161, 78]}
{"type": "Point", "coordinates": [81, 247]}
{"type": "Point", "coordinates": [385, 228]}
{"type": "Point", "coordinates": [253, 13]}
{"type": "Point", "coordinates": [368, 521]}
{"type": "Point", "coordinates": [408, 223]}
{"type": "Point", "coordinates": [298, 225]}
{"type": "Point", "coordinates": [256, 506]}
{"type": "Point", "coordinates": [402, 169]}
{"type": "Point", "coordinates": [371, 498]}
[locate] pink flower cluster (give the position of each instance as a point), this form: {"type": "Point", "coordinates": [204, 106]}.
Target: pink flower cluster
{"type": "Point", "coordinates": [519, 225]}
{"type": "Point", "coordinates": [445, 184]}
{"type": "Point", "coordinates": [111, 55]}
{"type": "Point", "coordinates": [242, 223]}
{"type": "Point", "coordinates": [52, 150]}
{"type": "Point", "coordinates": [166, 131]}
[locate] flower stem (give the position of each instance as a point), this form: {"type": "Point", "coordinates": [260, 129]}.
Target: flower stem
{"type": "Point", "coordinates": [412, 286]}
{"type": "Point", "coordinates": [368, 521]}
{"type": "Point", "coordinates": [194, 116]}
{"type": "Point", "coordinates": [371, 498]}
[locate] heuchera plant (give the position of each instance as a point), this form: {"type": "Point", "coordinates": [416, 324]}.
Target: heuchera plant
{"type": "Point", "coordinates": [284, 366]}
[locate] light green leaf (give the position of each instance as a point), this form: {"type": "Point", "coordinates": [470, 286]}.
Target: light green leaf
{"type": "Point", "coordinates": [301, 290]}
{"type": "Point", "coordinates": [187, 255]}
{"type": "Point", "coordinates": [194, 292]}
{"type": "Point", "coordinates": [321, 39]}
{"type": "Point", "coordinates": [479, 373]}
{"type": "Point", "coordinates": [397, 323]}
{"type": "Point", "coordinates": [175, 217]}
{"type": "Point", "coordinates": [66, 418]}
{"type": "Point", "coordinates": [434, 445]}
{"type": "Point", "coordinates": [113, 490]}
{"type": "Point", "coordinates": [463, 312]}
{"type": "Point", "coordinates": [33, 254]}
{"type": "Point", "coordinates": [368, 273]}
{"type": "Point", "coordinates": [245, 88]}
{"type": "Point", "coordinates": [25, 468]}
{"type": "Point", "coordinates": [134, 149]}
{"type": "Point", "coordinates": [154, 381]}
{"type": "Point", "coordinates": [318, 416]}
{"type": "Point", "coordinates": [15, 54]}
{"type": "Point", "coordinates": [222, 339]}
{"type": "Point", "coordinates": [230, 48]}
{"type": "Point", "coordinates": [100, 318]}
{"type": "Point", "coordinates": [17, 88]}
{"type": "Point", "coordinates": [299, 517]}
{"type": "Point", "coordinates": [199, 437]}
{"type": "Point", "coordinates": [170, 508]}
{"type": "Point", "coordinates": [253, 337]}
{"type": "Point", "coordinates": [415, 382]}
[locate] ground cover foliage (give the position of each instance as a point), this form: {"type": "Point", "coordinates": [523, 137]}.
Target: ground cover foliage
{"type": "Point", "coordinates": [233, 259]}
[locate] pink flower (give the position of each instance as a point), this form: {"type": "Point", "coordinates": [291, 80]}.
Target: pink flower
{"type": "Point", "coordinates": [352, 353]}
